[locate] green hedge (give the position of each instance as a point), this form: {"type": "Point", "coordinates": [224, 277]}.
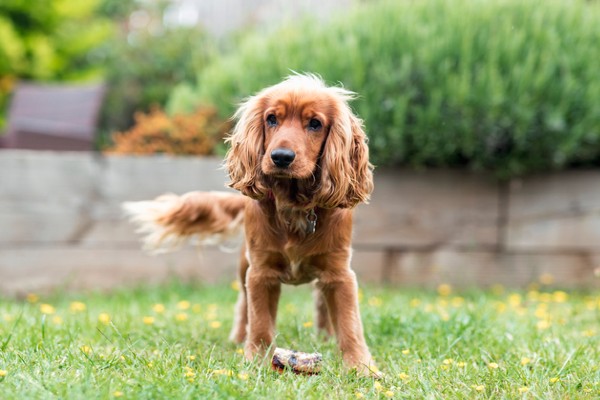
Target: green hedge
{"type": "Point", "coordinates": [508, 86]}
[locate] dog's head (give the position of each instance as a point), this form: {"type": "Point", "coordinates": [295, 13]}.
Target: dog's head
{"type": "Point", "coordinates": [302, 130]}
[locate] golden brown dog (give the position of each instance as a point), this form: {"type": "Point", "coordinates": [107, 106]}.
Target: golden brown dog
{"type": "Point", "coordinates": [299, 157]}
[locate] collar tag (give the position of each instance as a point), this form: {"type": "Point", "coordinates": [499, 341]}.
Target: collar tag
{"type": "Point", "coordinates": [311, 218]}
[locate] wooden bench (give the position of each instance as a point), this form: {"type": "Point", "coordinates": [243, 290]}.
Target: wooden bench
{"type": "Point", "coordinates": [53, 116]}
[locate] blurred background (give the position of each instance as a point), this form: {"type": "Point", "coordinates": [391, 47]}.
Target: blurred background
{"type": "Point", "coordinates": [483, 119]}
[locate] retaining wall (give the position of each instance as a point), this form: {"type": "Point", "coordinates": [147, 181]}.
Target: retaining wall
{"type": "Point", "coordinates": [61, 225]}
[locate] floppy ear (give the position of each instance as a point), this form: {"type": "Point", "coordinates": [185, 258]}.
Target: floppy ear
{"type": "Point", "coordinates": [242, 161]}
{"type": "Point", "coordinates": [347, 177]}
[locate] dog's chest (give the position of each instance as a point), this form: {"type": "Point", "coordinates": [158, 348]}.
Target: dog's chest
{"type": "Point", "coordinates": [297, 273]}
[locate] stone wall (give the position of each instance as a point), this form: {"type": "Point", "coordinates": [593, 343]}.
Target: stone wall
{"type": "Point", "coordinates": [61, 225]}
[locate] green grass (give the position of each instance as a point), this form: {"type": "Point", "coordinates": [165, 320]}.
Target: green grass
{"type": "Point", "coordinates": [497, 344]}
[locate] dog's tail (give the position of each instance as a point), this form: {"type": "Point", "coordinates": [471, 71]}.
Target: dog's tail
{"type": "Point", "coordinates": [170, 220]}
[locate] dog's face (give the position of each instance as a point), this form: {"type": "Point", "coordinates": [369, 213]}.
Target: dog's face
{"type": "Point", "coordinates": [301, 129]}
{"type": "Point", "coordinates": [295, 130]}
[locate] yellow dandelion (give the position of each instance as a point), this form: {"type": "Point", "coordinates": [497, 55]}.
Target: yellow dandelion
{"type": "Point", "coordinates": [181, 317]}
{"type": "Point", "coordinates": [414, 303]}
{"type": "Point", "coordinates": [104, 318]}
{"type": "Point", "coordinates": [543, 325]}
{"type": "Point", "coordinates": [359, 395]}
{"type": "Point", "coordinates": [461, 364]}
{"type": "Point", "coordinates": [240, 351]}
{"type": "Point", "coordinates": [224, 372]}
{"type": "Point", "coordinates": [514, 299]}
{"type": "Point", "coordinates": [445, 367]}
{"type": "Point", "coordinates": [148, 320]}
{"type": "Point", "coordinates": [448, 361]}
{"type": "Point", "coordinates": [523, 389]}
{"type": "Point", "coordinates": [57, 320]}
{"type": "Point", "coordinates": [243, 376]}
{"type": "Point", "coordinates": [3, 373]}
{"type": "Point", "coordinates": [47, 309]}
{"type": "Point", "coordinates": [525, 360]}
{"type": "Point", "coordinates": [375, 301]}
{"type": "Point", "coordinates": [457, 301]}
{"type": "Point", "coordinates": [150, 365]}
{"type": "Point", "coordinates": [191, 358]}
{"type": "Point", "coordinates": [235, 285]}
{"type": "Point", "coordinates": [588, 333]}
{"type": "Point", "coordinates": [493, 365]}
{"type": "Point", "coordinates": [213, 307]}
{"type": "Point", "coordinates": [215, 324]}
{"type": "Point", "coordinates": [560, 297]}
{"type": "Point", "coordinates": [290, 308]}
{"type": "Point", "coordinates": [307, 324]}
{"type": "Point", "coordinates": [545, 297]}
{"type": "Point", "coordinates": [190, 374]}
{"type": "Point", "coordinates": [546, 279]}
{"type": "Point", "coordinates": [378, 386]}
{"type": "Point", "coordinates": [117, 394]}
{"type": "Point", "coordinates": [554, 380]}
{"type": "Point", "coordinates": [8, 317]}
{"type": "Point", "coordinates": [388, 394]}
{"type": "Point", "coordinates": [444, 289]}
{"type": "Point", "coordinates": [183, 305]}
{"type": "Point", "coordinates": [86, 349]}
{"type": "Point", "coordinates": [406, 351]}
{"type": "Point", "coordinates": [403, 376]}
{"type": "Point", "coordinates": [479, 388]}
{"type": "Point", "coordinates": [158, 308]}
{"type": "Point", "coordinates": [32, 298]}
{"type": "Point", "coordinates": [196, 308]}
{"type": "Point", "coordinates": [77, 306]}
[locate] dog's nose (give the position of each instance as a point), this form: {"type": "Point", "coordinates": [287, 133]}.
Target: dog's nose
{"type": "Point", "coordinates": [282, 157]}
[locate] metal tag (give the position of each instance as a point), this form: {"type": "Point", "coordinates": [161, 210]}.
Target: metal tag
{"type": "Point", "coordinates": [311, 219]}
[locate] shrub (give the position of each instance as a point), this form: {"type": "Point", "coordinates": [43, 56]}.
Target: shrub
{"type": "Point", "coordinates": [156, 132]}
{"type": "Point", "coordinates": [509, 86]}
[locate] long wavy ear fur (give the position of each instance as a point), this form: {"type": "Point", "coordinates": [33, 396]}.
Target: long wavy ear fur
{"type": "Point", "coordinates": [347, 175]}
{"type": "Point", "coordinates": [242, 161]}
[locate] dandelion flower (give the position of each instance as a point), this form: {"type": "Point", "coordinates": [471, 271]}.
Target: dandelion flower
{"type": "Point", "coordinates": [479, 388]}
{"type": "Point", "coordinates": [523, 389]}
{"type": "Point", "coordinates": [196, 308]}
{"type": "Point", "coordinates": [190, 374]}
{"type": "Point", "coordinates": [375, 301]}
{"type": "Point", "coordinates": [554, 380]}
{"type": "Point", "coordinates": [406, 351]}
{"type": "Point", "coordinates": [191, 358]}
{"type": "Point", "coordinates": [493, 365]}
{"type": "Point", "coordinates": [414, 303]}
{"type": "Point", "coordinates": [118, 394]}
{"type": "Point", "coordinates": [388, 394]}
{"type": "Point", "coordinates": [588, 333]}
{"type": "Point", "coordinates": [359, 395]}
{"type": "Point", "coordinates": [444, 289]}
{"type": "Point", "coordinates": [7, 317]}
{"type": "Point", "coordinates": [225, 372]}
{"type": "Point", "coordinates": [525, 361]}
{"type": "Point", "coordinates": [213, 307]}
{"type": "Point", "coordinates": [307, 324]}
{"type": "Point", "coordinates": [559, 296]}
{"type": "Point", "coordinates": [181, 317]}
{"type": "Point", "coordinates": [47, 309]}
{"type": "Point", "coordinates": [240, 351]}
{"type": "Point", "coordinates": [378, 386]}
{"type": "Point", "coordinates": [104, 318]}
{"type": "Point", "coordinates": [243, 376]}
{"type": "Point", "coordinates": [86, 349]}
{"type": "Point", "coordinates": [57, 320]}
{"type": "Point", "coordinates": [403, 376]}
{"type": "Point", "coordinates": [235, 285]}
{"type": "Point", "coordinates": [148, 320]}
{"type": "Point", "coordinates": [543, 324]}
{"type": "Point", "coordinates": [215, 324]}
{"type": "Point", "coordinates": [3, 373]}
{"type": "Point", "coordinates": [183, 305]}
{"type": "Point", "coordinates": [461, 364]}
{"type": "Point", "coordinates": [32, 298]}
{"type": "Point", "coordinates": [77, 306]}
{"type": "Point", "coordinates": [158, 308]}
{"type": "Point", "coordinates": [448, 361]}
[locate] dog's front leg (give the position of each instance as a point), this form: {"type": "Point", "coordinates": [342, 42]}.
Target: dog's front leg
{"type": "Point", "coordinates": [263, 289]}
{"type": "Point", "coordinates": [340, 290]}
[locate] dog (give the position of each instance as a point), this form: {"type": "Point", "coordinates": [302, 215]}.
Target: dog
{"type": "Point", "coordinates": [298, 156]}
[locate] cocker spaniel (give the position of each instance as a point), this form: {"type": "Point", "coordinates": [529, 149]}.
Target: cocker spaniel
{"type": "Point", "coordinates": [299, 157]}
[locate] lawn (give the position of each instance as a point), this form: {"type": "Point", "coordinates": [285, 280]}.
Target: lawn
{"type": "Point", "coordinates": [170, 342]}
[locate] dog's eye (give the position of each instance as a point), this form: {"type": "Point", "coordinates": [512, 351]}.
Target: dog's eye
{"type": "Point", "coordinates": [271, 120]}
{"type": "Point", "coordinates": [314, 124]}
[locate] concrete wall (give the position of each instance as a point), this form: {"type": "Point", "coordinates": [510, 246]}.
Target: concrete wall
{"type": "Point", "coordinates": [61, 225]}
